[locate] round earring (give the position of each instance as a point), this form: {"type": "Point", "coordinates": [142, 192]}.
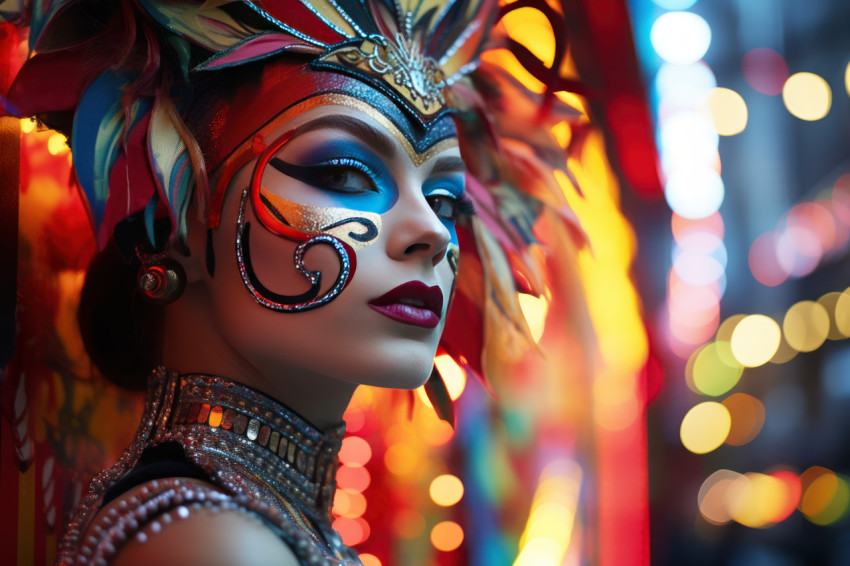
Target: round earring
{"type": "Point", "coordinates": [163, 281]}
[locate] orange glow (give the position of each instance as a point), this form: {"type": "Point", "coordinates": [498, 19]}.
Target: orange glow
{"type": "Point", "coordinates": [215, 416]}
{"type": "Point", "coordinates": [409, 524]}
{"type": "Point", "coordinates": [505, 59]}
{"type": "Point", "coordinates": [351, 531]}
{"type": "Point", "coordinates": [825, 497]}
{"type": "Point", "coordinates": [747, 414]}
{"type": "Point", "coordinates": [712, 496]}
{"type": "Point", "coordinates": [355, 478]}
{"type": "Point", "coordinates": [355, 451]}
{"type": "Point", "coordinates": [342, 503]}
{"type": "Point", "coordinates": [401, 459]}
{"type": "Point", "coordinates": [446, 490]}
{"type": "Point", "coordinates": [356, 504]}
{"type": "Point", "coordinates": [446, 536]}
{"type": "Point", "coordinates": [369, 560]}
{"type": "Point", "coordinates": [57, 144]}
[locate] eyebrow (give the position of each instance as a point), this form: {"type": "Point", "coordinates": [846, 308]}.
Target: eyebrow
{"type": "Point", "coordinates": [451, 164]}
{"type": "Point", "coordinates": [380, 142]}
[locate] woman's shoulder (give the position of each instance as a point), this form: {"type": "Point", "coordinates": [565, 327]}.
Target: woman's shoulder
{"type": "Point", "coordinates": [183, 521]}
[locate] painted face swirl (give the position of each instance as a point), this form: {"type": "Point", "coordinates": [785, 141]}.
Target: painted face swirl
{"type": "Point", "coordinates": [309, 226]}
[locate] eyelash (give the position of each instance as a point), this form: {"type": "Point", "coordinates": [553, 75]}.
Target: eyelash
{"type": "Point", "coordinates": [462, 206]}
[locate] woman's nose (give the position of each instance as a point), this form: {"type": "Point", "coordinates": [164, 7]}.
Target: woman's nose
{"type": "Point", "coordinates": [415, 231]}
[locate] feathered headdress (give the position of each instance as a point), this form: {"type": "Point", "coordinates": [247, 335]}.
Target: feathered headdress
{"type": "Point", "coordinates": [118, 77]}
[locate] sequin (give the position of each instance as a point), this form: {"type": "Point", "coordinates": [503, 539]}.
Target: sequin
{"type": "Point", "coordinates": [227, 419]}
{"type": "Point", "coordinates": [253, 429]}
{"type": "Point", "coordinates": [281, 451]}
{"type": "Point", "coordinates": [290, 453]}
{"type": "Point", "coordinates": [240, 423]}
{"type": "Point", "coordinates": [204, 413]}
{"type": "Point", "coordinates": [215, 416]}
{"type": "Point", "coordinates": [263, 437]}
{"type": "Point", "coordinates": [193, 412]}
{"type": "Point", "coordinates": [274, 440]}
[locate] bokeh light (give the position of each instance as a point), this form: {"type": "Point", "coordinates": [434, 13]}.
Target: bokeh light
{"type": "Point", "coordinates": [728, 110]}
{"type": "Point", "coordinates": [684, 86]}
{"type": "Point", "coordinates": [712, 496]}
{"type": "Point", "coordinates": [675, 4]}
{"type": "Point", "coordinates": [401, 459]}
{"type": "Point", "coordinates": [57, 144]}
{"type": "Point", "coordinates": [452, 374]}
{"type": "Point", "coordinates": [807, 96]}
{"type": "Point", "coordinates": [694, 193]}
{"type": "Point", "coordinates": [409, 523]}
{"type": "Point", "coordinates": [806, 326]}
{"type": "Point", "coordinates": [351, 531]}
{"type": "Point", "coordinates": [534, 310]}
{"type": "Point", "coordinates": [715, 370]}
{"type": "Point", "coordinates": [355, 451]}
{"type": "Point", "coordinates": [755, 340]}
{"type": "Point", "coordinates": [747, 418]}
{"type": "Point", "coordinates": [756, 500]}
{"type": "Point", "coordinates": [446, 536]}
{"type": "Point", "coordinates": [842, 313]}
{"type": "Point", "coordinates": [369, 560]}
{"type": "Point", "coordinates": [826, 496]}
{"type": "Point", "coordinates": [764, 265]}
{"type": "Point", "coordinates": [680, 37]}
{"type": "Point", "coordinates": [765, 70]}
{"type": "Point", "coordinates": [829, 301]}
{"type": "Point", "coordinates": [705, 427]}
{"type": "Point", "coordinates": [356, 478]}
{"type": "Point", "coordinates": [446, 490]}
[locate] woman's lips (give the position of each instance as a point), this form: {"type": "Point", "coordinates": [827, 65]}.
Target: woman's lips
{"type": "Point", "coordinates": [411, 303]}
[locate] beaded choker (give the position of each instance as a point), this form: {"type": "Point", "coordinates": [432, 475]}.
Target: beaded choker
{"type": "Point", "coordinates": [226, 427]}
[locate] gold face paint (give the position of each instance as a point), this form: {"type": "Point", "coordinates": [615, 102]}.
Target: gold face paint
{"type": "Point", "coordinates": [356, 228]}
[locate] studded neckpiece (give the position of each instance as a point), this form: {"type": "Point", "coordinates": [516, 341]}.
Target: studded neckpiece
{"type": "Point", "coordinates": [215, 419]}
{"type": "Point", "coordinates": [262, 457]}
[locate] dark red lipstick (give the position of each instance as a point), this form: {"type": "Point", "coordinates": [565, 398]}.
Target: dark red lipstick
{"type": "Point", "coordinates": [412, 303]}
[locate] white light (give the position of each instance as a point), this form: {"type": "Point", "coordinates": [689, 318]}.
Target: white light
{"type": "Point", "coordinates": [694, 193]}
{"type": "Point", "coordinates": [688, 140]}
{"type": "Point", "coordinates": [675, 4]}
{"type": "Point", "coordinates": [684, 85]}
{"type": "Point", "coordinates": [703, 243]}
{"type": "Point", "coordinates": [680, 37]}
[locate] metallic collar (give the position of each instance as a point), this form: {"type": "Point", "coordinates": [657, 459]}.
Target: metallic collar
{"type": "Point", "coordinates": [224, 425]}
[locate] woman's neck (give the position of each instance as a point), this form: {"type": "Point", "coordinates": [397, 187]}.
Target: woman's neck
{"type": "Point", "coordinates": [191, 343]}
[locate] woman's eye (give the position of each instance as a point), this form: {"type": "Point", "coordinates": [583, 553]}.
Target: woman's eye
{"type": "Point", "coordinates": [444, 206]}
{"type": "Point", "coordinates": [345, 179]}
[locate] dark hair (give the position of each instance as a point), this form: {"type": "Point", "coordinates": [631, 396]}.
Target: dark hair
{"type": "Point", "coordinates": [118, 326]}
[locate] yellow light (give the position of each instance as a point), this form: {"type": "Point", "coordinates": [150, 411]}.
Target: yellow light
{"type": "Point", "coordinates": [807, 96]}
{"type": "Point", "coordinates": [829, 301]}
{"type": "Point", "coordinates": [847, 78]}
{"type": "Point", "coordinates": [540, 552]}
{"type": "Point", "coordinates": [453, 375]}
{"type": "Point", "coordinates": [753, 499]}
{"type": "Point", "coordinates": [534, 310]}
{"type": "Point", "coordinates": [785, 353]}
{"type": "Point", "coordinates": [446, 490]}
{"type": "Point", "coordinates": [747, 414]}
{"type": "Point", "coordinates": [724, 331]}
{"type": "Point", "coordinates": [27, 125]}
{"type": "Point", "coordinates": [826, 499]}
{"type": "Point", "coordinates": [755, 340]}
{"type": "Point", "coordinates": [728, 110]}
{"type": "Point", "coordinates": [806, 326]}
{"type": "Point", "coordinates": [531, 28]}
{"type": "Point", "coordinates": [705, 427]}
{"type": "Point", "coordinates": [842, 313]}
{"type": "Point", "coordinates": [446, 536]}
{"type": "Point", "coordinates": [715, 369]}
{"type": "Point", "coordinates": [369, 560]}
{"type": "Point", "coordinates": [56, 144]}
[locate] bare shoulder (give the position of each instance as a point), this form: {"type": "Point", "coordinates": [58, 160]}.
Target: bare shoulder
{"type": "Point", "coordinates": [208, 535]}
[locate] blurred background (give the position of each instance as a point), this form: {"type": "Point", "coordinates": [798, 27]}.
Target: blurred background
{"type": "Point", "coordinates": [691, 406]}
{"type": "Point", "coordinates": [744, 276]}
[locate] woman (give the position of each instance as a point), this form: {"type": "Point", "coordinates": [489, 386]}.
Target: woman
{"type": "Point", "coordinates": [319, 253]}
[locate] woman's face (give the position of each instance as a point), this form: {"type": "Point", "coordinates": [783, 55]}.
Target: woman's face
{"type": "Point", "coordinates": [346, 172]}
